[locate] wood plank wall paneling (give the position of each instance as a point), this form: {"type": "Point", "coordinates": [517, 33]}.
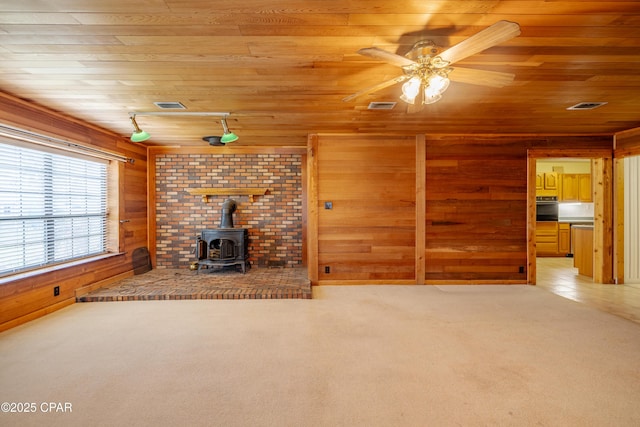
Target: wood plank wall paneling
{"type": "Point", "coordinates": [369, 234]}
{"type": "Point", "coordinates": [30, 297]}
{"type": "Point", "coordinates": [476, 210]}
{"type": "Point", "coordinates": [627, 143]}
{"type": "Point", "coordinates": [477, 215]}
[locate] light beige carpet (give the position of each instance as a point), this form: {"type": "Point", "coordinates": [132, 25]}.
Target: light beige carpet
{"type": "Point", "coordinates": [352, 356]}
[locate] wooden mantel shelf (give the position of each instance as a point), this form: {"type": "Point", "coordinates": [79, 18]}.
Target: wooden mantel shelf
{"type": "Point", "coordinates": [206, 192]}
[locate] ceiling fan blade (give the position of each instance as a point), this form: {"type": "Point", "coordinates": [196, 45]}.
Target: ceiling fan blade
{"type": "Point", "coordinates": [376, 88]}
{"type": "Point", "coordinates": [480, 77]}
{"type": "Point", "coordinates": [385, 56]}
{"type": "Point", "coordinates": [497, 33]}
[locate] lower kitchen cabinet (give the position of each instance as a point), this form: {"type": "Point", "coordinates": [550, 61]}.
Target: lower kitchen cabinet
{"type": "Point", "coordinates": [546, 238]}
{"type": "Point", "coordinates": [583, 253]}
{"type": "Point", "coordinates": [553, 238]}
{"type": "Point", "coordinates": [564, 238]}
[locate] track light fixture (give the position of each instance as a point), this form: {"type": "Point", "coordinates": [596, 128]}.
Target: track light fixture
{"type": "Point", "coordinates": [227, 136]}
{"type": "Point", "coordinates": [139, 135]}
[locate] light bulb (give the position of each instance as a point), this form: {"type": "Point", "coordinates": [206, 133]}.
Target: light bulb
{"type": "Point", "coordinates": [430, 98]}
{"type": "Point", "coordinates": [438, 84]}
{"type": "Point", "coordinates": [433, 92]}
{"type": "Point", "coordinates": [410, 90]}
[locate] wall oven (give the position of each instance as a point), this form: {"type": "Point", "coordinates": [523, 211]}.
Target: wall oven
{"type": "Point", "coordinates": [546, 208]}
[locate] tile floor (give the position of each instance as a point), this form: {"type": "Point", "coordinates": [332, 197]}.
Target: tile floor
{"type": "Point", "coordinates": [557, 275]}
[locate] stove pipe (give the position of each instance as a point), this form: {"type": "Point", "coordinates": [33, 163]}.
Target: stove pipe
{"type": "Point", "coordinates": [228, 208]}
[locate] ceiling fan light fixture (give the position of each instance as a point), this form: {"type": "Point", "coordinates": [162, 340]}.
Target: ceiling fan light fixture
{"type": "Point", "coordinates": [427, 66]}
{"type": "Point", "coordinates": [138, 134]}
{"type": "Point", "coordinates": [435, 88]}
{"type": "Point", "coordinates": [438, 84]}
{"type": "Point", "coordinates": [410, 90]}
{"type": "Point", "coordinates": [430, 98]}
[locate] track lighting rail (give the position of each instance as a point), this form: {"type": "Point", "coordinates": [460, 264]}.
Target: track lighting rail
{"type": "Point", "coordinates": [139, 135]}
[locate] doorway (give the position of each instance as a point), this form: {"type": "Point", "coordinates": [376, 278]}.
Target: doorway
{"type": "Point", "coordinates": [601, 173]}
{"type": "Point", "coordinates": [565, 184]}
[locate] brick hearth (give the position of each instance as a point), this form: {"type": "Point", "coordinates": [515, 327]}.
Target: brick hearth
{"type": "Point", "coordinates": [178, 284]}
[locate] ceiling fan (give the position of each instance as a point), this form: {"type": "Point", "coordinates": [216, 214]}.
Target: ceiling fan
{"type": "Point", "coordinates": [427, 68]}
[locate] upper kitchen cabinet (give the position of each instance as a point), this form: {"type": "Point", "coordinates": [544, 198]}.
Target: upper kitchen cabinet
{"type": "Point", "coordinates": [569, 188]}
{"type": "Point", "coordinates": [575, 187]}
{"type": "Point", "coordinates": [547, 184]}
{"type": "Point", "coordinates": [567, 178]}
{"type": "Point", "coordinates": [585, 188]}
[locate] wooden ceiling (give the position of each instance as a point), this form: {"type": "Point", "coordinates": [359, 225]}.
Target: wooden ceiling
{"type": "Point", "coordinates": [281, 68]}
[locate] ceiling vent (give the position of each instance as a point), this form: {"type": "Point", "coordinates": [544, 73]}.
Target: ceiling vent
{"type": "Point", "coordinates": [381, 105]}
{"type": "Point", "coordinates": [170, 105]}
{"type": "Point", "coordinates": [586, 106]}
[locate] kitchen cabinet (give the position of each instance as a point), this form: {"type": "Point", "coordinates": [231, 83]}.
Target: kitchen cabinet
{"type": "Point", "coordinates": [575, 187]}
{"type": "Point", "coordinates": [553, 238]}
{"type": "Point", "coordinates": [564, 238]}
{"type": "Point", "coordinates": [585, 190]}
{"type": "Point", "coordinates": [568, 188]}
{"type": "Point", "coordinates": [583, 249]}
{"type": "Point", "coordinates": [547, 184]}
{"type": "Point", "coordinates": [546, 238]}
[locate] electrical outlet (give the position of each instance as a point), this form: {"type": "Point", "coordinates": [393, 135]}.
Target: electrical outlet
{"type": "Point", "coordinates": [327, 269]}
{"type": "Point", "coordinates": [521, 269]}
{"type": "Point", "coordinates": [328, 205]}
{"type": "Point", "coordinates": [56, 291]}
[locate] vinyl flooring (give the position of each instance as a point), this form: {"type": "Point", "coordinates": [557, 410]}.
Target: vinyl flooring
{"type": "Point", "coordinates": [557, 275]}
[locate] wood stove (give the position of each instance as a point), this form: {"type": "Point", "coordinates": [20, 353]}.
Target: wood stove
{"type": "Point", "coordinates": [223, 247]}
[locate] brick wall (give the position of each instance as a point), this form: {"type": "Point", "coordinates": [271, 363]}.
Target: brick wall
{"type": "Point", "coordinates": [274, 220]}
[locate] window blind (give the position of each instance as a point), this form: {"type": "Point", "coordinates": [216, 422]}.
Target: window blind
{"type": "Point", "coordinates": [53, 208]}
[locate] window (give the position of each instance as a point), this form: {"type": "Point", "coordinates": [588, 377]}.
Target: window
{"type": "Point", "coordinates": [53, 207]}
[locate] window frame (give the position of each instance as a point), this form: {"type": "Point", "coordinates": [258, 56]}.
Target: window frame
{"type": "Point", "coordinates": [110, 199]}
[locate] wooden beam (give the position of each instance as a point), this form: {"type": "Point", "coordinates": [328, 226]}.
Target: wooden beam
{"type": "Point", "coordinates": [602, 220]}
{"type": "Point", "coordinates": [312, 208]}
{"type": "Point", "coordinates": [531, 220]}
{"type": "Point", "coordinates": [421, 208]}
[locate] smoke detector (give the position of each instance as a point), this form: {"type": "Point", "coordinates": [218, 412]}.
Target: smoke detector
{"type": "Point", "coordinates": [586, 106]}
